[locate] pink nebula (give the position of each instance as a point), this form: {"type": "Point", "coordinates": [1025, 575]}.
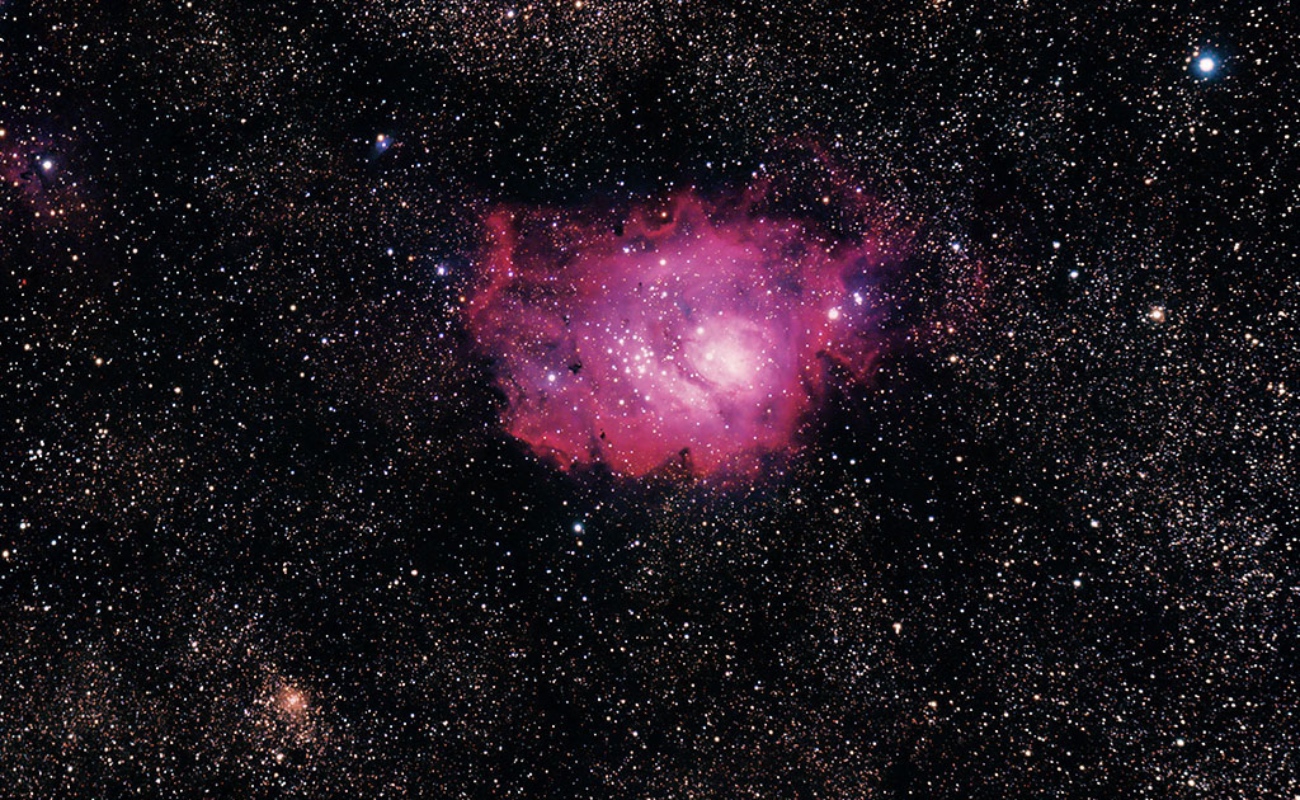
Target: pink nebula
{"type": "Point", "coordinates": [695, 337]}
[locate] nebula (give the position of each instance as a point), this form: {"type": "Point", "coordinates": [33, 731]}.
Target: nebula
{"type": "Point", "coordinates": [693, 337]}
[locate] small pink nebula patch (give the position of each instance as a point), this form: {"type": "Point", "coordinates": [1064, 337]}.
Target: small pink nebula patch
{"type": "Point", "coordinates": [693, 338]}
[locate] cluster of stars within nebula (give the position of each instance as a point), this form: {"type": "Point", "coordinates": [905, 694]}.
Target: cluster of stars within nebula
{"type": "Point", "coordinates": [697, 336]}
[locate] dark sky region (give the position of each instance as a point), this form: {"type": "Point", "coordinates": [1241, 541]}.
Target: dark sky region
{"type": "Point", "coordinates": [649, 399]}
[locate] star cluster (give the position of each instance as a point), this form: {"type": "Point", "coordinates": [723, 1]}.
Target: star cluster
{"type": "Point", "coordinates": [694, 337]}
{"type": "Point", "coordinates": [415, 399]}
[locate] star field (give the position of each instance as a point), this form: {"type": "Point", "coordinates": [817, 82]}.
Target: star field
{"type": "Point", "coordinates": [618, 399]}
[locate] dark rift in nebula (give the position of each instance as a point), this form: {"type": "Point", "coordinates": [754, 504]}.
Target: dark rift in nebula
{"type": "Point", "coordinates": [693, 335]}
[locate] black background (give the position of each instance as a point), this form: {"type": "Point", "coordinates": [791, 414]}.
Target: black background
{"type": "Point", "coordinates": [249, 449]}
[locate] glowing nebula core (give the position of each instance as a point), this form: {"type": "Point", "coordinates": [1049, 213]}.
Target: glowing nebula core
{"type": "Point", "coordinates": [694, 336]}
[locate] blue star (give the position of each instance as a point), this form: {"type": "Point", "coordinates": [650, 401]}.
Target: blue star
{"type": "Point", "coordinates": [1205, 64]}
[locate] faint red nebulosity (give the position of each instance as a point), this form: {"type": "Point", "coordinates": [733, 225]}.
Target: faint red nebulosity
{"type": "Point", "coordinates": [291, 702]}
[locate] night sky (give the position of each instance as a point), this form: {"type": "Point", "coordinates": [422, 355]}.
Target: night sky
{"type": "Point", "coordinates": [649, 399]}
